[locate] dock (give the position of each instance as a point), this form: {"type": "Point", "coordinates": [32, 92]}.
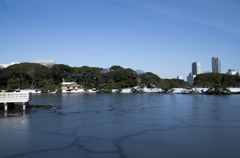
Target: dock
{"type": "Point", "coordinates": [15, 97]}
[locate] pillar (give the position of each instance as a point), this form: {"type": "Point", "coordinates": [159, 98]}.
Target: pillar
{"type": "Point", "coordinates": [5, 107]}
{"type": "Point", "coordinates": [24, 106]}
{"type": "Point", "coordinates": [5, 114]}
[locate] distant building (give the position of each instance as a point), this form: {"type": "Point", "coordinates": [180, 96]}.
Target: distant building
{"type": "Point", "coordinates": [216, 65]}
{"type": "Point", "coordinates": [180, 77]}
{"type": "Point", "coordinates": [231, 72]}
{"type": "Point", "coordinates": [238, 73]}
{"type": "Point", "coordinates": [196, 68]}
{"type": "Point", "coordinates": [48, 63]}
{"type": "Point", "coordinates": [6, 65]}
{"type": "Point", "coordinates": [190, 78]}
{"type": "Point", "coordinates": [69, 86]}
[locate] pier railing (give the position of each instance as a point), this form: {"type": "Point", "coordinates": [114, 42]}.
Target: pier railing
{"type": "Point", "coordinates": [15, 97]}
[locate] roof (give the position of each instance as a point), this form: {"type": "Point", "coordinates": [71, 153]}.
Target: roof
{"type": "Point", "coordinates": [69, 83]}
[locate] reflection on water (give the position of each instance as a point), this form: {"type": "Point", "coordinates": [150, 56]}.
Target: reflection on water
{"type": "Point", "coordinates": [125, 126]}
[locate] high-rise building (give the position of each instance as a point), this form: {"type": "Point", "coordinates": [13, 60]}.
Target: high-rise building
{"type": "Point", "coordinates": [195, 68]}
{"type": "Point", "coordinates": [216, 65]}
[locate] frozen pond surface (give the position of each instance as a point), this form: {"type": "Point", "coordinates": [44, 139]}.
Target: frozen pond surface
{"type": "Point", "coordinates": [125, 126]}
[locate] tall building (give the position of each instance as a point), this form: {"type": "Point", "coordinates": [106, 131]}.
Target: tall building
{"type": "Point", "coordinates": [216, 65]}
{"type": "Point", "coordinates": [195, 68]}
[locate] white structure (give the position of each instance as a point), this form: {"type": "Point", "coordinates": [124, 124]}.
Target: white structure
{"type": "Point", "coordinates": [115, 90]}
{"type": "Point", "coordinates": [190, 78]}
{"type": "Point", "coordinates": [178, 91]}
{"type": "Point", "coordinates": [199, 90]}
{"type": "Point", "coordinates": [152, 90]}
{"type": "Point", "coordinates": [234, 90]}
{"type": "Point", "coordinates": [71, 87]}
{"type": "Point", "coordinates": [196, 68]}
{"type": "Point", "coordinates": [231, 72]}
{"type": "Point", "coordinates": [33, 91]}
{"type": "Point", "coordinates": [93, 90]}
{"type": "Point", "coordinates": [47, 63]}
{"type": "Point", "coordinates": [6, 65]}
{"type": "Point", "coordinates": [180, 77]}
{"type": "Point", "coordinates": [14, 97]}
{"type": "Point", "coordinates": [126, 90]}
{"type": "Point", "coordinates": [238, 73]}
{"type": "Point", "coordinates": [216, 65]}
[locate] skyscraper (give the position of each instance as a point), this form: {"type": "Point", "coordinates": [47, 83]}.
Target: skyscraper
{"type": "Point", "coordinates": [216, 65]}
{"type": "Point", "coordinates": [195, 68]}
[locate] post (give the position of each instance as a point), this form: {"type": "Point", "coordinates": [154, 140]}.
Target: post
{"type": "Point", "coordinates": [5, 106]}
{"type": "Point", "coordinates": [24, 106]}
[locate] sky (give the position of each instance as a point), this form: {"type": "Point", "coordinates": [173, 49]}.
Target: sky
{"type": "Point", "coordinates": [160, 36]}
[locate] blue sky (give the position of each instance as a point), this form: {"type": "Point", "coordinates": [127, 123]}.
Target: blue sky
{"type": "Point", "coordinates": [161, 36]}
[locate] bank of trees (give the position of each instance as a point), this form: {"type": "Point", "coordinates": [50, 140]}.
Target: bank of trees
{"type": "Point", "coordinates": [216, 80]}
{"type": "Point", "coordinates": [36, 76]}
{"type": "Point", "coordinates": [24, 75]}
{"type": "Point", "coordinates": [174, 83]}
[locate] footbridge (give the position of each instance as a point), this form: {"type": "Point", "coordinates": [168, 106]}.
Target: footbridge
{"type": "Point", "coordinates": [15, 97]}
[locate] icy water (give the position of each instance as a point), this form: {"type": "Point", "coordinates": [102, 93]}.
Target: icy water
{"type": "Point", "coordinates": [125, 126]}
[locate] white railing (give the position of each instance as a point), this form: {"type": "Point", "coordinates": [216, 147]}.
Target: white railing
{"type": "Point", "coordinates": [14, 97]}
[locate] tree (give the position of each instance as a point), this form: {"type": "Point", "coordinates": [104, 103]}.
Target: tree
{"type": "Point", "coordinates": [61, 73]}
{"type": "Point", "coordinates": [152, 79]}
{"type": "Point", "coordinates": [87, 76]}
{"type": "Point", "coordinates": [116, 68]}
{"type": "Point", "coordinates": [124, 77]}
{"type": "Point", "coordinates": [27, 73]}
{"type": "Point", "coordinates": [13, 83]}
{"type": "Point", "coordinates": [173, 83]}
{"type": "Point", "coordinates": [216, 80]}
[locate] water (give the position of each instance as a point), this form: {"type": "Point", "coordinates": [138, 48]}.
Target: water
{"type": "Point", "coordinates": [125, 126]}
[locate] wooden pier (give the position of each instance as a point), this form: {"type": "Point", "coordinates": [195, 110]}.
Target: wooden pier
{"type": "Point", "coordinates": [15, 97]}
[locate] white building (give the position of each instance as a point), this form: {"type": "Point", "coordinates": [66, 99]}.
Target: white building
{"type": "Point", "coordinates": [180, 77]}
{"type": "Point", "coordinates": [216, 65]}
{"type": "Point", "coordinates": [196, 68]}
{"type": "Point", "coordinates": [6, 65]}
{"type": "Point", "coordinates": [47, 63]}
{"type": "Point", "coordinates": [231, 72]}
{"type": "Point", "coordinates": [71, 87]}
{"type": "Point", "coordinates": [190, 78]}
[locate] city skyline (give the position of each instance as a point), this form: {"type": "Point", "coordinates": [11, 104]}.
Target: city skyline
{"type": "Point", "coordinates": [147, 35]}
{"type": "Point", "coordinates": [196, 68]}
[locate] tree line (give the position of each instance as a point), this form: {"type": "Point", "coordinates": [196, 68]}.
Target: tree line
{"type": "Point", "coordinates": [216, 80]}
{"type": "Point", "coordinates": [37, 76]}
